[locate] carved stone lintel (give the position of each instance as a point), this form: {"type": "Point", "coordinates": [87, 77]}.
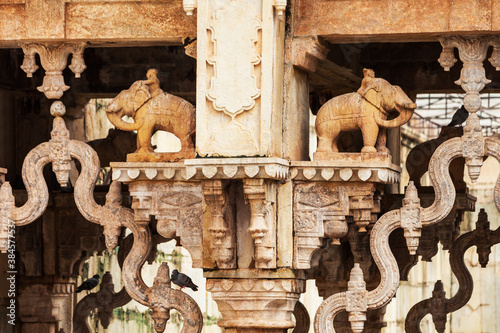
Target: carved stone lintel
{"type": "Point", "coordinates": [222, 228]}
{"type": "Point", "coordinates": [177, 208]}
{"type": "Point", "coordinates": [54, 57]}
{"type": "Point", "coordinates": [259, 194]}
{"type": "Point", "coordinates": [472, 51]}
{"type": "Point", "coordinates": [410, 218]}
{"type": "Point", "coordinates": [262, 304]}
{"type": "Point", "coordinates": [306, 53]}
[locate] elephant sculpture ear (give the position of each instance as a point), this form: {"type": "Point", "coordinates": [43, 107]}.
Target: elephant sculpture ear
{"type": "Point", "coordinates": [141, 94]}
{"type": "Point", "coordinates": [372, 95]}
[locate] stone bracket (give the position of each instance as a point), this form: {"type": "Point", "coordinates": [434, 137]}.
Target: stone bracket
{"type": "Point", "coordinates": [178, 209]}
{"type": "Point", "coordinates": [54, 57]}
{"type": "Point", "coordinates": [320, 210]}
{"type": "Point", "coordinates": [307, 51]}
{"type": "Point", "coordinates": [222, 227]}
{"type": "Point", "coordinates": [261, 196]}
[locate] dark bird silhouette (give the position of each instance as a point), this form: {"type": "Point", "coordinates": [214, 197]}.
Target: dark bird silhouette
{"type": "Point", "coordinates": [459, 117]}
{"type": "Point", "coordinates": [182, 280]}
{"type": "Point", "coordinates": [88, 284]}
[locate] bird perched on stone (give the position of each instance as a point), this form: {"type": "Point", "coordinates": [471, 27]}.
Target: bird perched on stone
{"type": "Point", "coordinates": [88, 284]}
{"type": "Point", "coordinates": [182, 280]}
{"type": "Point", "coordinates": [459, 117]}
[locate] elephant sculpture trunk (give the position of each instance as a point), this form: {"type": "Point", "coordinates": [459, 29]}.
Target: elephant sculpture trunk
{"type": "Point", "coordinates": [153, 110]}
{"type": "Point", "coordinates": [365, 110]}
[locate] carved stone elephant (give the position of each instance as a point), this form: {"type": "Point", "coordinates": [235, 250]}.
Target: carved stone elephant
{"type": "Point", "coordinates": [162, 111]}
{"type": "Point", "coordinates": [367, 110]}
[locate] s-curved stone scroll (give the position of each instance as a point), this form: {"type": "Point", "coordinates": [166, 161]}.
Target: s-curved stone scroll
{"type": "Point", "coordinates": [438, 305]}
{"type": "Point", "coordinates": [411, 217]}
{"type": "Point", "coordinates": [163, 298]}
{"type": "Point", "coordinates": [59, 151]}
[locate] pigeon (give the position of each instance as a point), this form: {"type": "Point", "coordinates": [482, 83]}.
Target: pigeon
{"type": "Point", "coordinates": [182, 280]}
{"type": "Point", "coordinates": [459, 117]}
{"type": "Point", "coordinates": [88, 284]}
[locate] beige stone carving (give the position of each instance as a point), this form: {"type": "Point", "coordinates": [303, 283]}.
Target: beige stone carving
{"type": "Point", "coordinates": [54, 57]}
{"type": "Point", "coordinates": [162, 298]}
{"type": "Point", "coordinates": [203, 169]}
{"type": "Point", "coordinates": [245, 304]}
{"type": "Point", "coordinates": [367, 110]}
{"type": "Point", "coordinates": [178, 209]}
{"type": "Point", "coordinates": [472, 51]}
{"type": "Point", "coordinates": [223, 227]}
{"type": "Point", "coordinates": [258, 194]}
{"type": "Point", "coordinates": [189, 6]}
{"type": "Point", "coordinates": [152, 110]}
{"type": "Point", "coordinates": [439, 306]}
{"type": "Point", "coordinates": [105, 300]}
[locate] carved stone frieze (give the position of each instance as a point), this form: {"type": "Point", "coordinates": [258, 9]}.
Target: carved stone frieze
{"type": "Point", "coordinates": [54, 57]}
{"type": "Point", "coordinates": [472, 51]}
{"type": "Point", "coordinates": [254, 303]}
{"type": "Point", "coordinates": [178, 209]}
{"type": "Point", "coordinates": [350, 168]}
{"type": "Point", "coordinates": [306, 53]}
{"type": "Point", "coordinates": [259, 196]}
{"type": "Point", "coordinates": [203, 169]}
{"type": "Point", "coordinates": [321, 209]}
{"type": "Point", "coordinates": [223, 227]}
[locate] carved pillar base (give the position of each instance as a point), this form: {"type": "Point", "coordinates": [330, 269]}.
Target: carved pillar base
{"type": "Point", "coordinates": [256, 305]}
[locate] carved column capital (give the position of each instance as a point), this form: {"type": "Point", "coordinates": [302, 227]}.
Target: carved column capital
{"type": "Point", "coordinates": [54, 57]}
{"type": "Point", "coordinates": [306, 53]}
{"type": "Point", "coordinates": [256, 303]}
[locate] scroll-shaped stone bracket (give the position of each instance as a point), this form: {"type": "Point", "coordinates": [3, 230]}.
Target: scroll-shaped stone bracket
{"type": "Point", "coordinates": [222, 227]}
{"type": "Point", "coordinates": [162, 298]}
{"type": "Point", "coordinates": [54, 58]}
{"type": "Point", "coordinates": [438, 305]}
{"type": "Point", "coordinates": [307, 51]}
{"type": "Point", "coordinates": [105, 300]}
{"type": "Point", "coordinates": [410, 218]}
{"type": "Point", "coordinates": [260, 194]}
{"type": "Point", "coordinates": [356, 301]}
{"type": "Point", "coordinates": [178, 209]}
{"type": "Point", "coordinates": [60, 150]}
{"type": "Point", "coordinates": [472, 51]}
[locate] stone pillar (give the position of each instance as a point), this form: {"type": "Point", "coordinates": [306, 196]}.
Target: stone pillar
{"type": "Point", "coordinates": [47, 306]}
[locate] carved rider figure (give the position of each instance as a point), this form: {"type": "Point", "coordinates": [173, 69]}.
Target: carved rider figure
{"type": "Point", "coordinates": [153, 82]}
